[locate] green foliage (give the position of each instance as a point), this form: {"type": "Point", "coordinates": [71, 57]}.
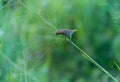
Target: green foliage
{"type": "Point", "coordinates": [31, 52]}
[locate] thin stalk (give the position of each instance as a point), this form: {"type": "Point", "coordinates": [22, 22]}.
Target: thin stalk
{"type": "Point", "coordinates": [47, 22]}
{"type": "Point", "coordinates": [92, 60]}
{"type": "Point", "coordinates": [25, 74]}
{"type": "Point", "coordinates": [117, 65]}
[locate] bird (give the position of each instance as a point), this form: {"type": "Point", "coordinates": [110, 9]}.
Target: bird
{"type": "Point", "coordinates": [66, 32]}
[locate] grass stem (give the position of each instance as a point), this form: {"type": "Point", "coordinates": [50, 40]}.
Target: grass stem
{"type": "Point", "coordinates": [92, 60]}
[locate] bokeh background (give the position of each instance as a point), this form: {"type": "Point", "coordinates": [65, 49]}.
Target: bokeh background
{"type": "Point", "coordinates": [30, 51]}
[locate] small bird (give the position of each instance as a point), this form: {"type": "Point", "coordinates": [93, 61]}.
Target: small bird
{"type": "Point", "coordinates": [65, 32]}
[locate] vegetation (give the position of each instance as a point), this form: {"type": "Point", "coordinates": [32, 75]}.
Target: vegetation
{"type": "Point", "coordinates": [30, 51]}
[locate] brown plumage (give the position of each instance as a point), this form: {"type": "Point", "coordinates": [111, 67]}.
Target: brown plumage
{"type": "Point", "coordinates": [65, 32]}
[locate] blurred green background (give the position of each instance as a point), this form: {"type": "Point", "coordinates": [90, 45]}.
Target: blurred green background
{"type": "Point", "coordinates": [30, 51]}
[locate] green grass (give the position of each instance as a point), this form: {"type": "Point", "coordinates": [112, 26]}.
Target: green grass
{"type": "Point", "coordinates": [117, 66]}
{"type": "Point", "coordinates": [29, 37]}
